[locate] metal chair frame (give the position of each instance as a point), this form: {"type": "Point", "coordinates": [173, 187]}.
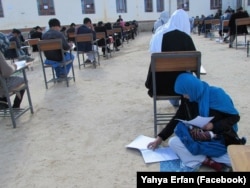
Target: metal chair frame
{"type": "Point", "coordinates": [189, 61]}
{"type": "Point", "coordinates": [51, 45]}
{"type": "Point", "coordinates": [88, 37]}
{"type": "Point", "coordinates": [15, 113]}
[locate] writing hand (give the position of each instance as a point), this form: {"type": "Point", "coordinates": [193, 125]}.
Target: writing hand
{"type": "Point", "coordinates": [153, 145]}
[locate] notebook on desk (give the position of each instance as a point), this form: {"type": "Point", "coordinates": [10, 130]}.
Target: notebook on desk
{"type": "Point", "coordinates": [20, 64]}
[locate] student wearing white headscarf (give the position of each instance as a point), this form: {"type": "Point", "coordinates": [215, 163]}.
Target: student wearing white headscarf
{"type": "Point", "coordinates": [161, 20]}
{"type": "Point", "coordinates": [173, 36]}
{"type": "Point", "coordinates": [178, 21]}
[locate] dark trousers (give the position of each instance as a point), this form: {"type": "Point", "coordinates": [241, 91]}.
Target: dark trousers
{"type": "Point", "coordinates": [17, 100]}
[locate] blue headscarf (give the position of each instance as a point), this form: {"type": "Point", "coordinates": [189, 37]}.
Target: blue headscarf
{"type": "Point", "coordinates": [207, 97]}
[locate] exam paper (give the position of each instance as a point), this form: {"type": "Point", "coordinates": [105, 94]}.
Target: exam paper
{"type": "Point", "coordinates": [149, 155]}
{"type": "Point", "coordinates": [198, 121]}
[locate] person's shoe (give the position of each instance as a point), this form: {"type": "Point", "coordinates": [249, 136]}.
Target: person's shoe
{"type": "Point", "coordinates": [117, 49]}
{"type": "Point", "coordinates": [3, 105]}
{"type": "Point", "coordinates": [226, 168]}
{"type": "Point", "coordinates": [87, 61]}
{"type": "Point", "coordinates": [230, 46]}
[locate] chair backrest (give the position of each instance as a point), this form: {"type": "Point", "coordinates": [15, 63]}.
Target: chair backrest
{"type": "Point", "coordinates": [12, 45]}
{"type": "Point", "coordinates": [117, 30]}
{"type": "Point", "coordinates": [215, 21]}
{"type": "Point", "coordinates": [32, 42]}
{"type": "Point", "coordinates": [84, 39]}
{"type": "Point", "coordinates": [52, 49]}
{"type": "Point", "coordinates": [241, 22]}
{"type": "Point", "coordinates": [71, 36]}
{"type": "Point", "coordinates": [12, 51]}
{"type": "Point", "coordinates": [100, 35]}
{"type": "Point", "coordinates": [176, 61]}
{"type": "Point", "coordinates": [225, 23]}
{"type": "Point", "coordinates": [110, 32]}
{"type": "Point", "coordinates": [87, 37]}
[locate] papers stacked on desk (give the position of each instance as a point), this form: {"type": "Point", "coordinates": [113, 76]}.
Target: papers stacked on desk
{"type": "Point", "coordinates": [151, 156]}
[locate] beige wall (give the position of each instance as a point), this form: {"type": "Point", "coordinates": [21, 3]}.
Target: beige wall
{"type": "Point", "coordinates": [18, 14]}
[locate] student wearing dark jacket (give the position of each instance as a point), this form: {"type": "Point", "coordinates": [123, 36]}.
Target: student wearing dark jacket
{"type": "Point", "coordinates": [232, 25]}
{"type": "Point", "coordinates": [173, 36]}
{"type": "Point", "coordinates": [54, 57]}
{"type": "Point", "coordinates": [105, 41]}
{"type": "Point", "coordinates": [37, 33]}
{"type": "Point", "coordinates": [87, 27]}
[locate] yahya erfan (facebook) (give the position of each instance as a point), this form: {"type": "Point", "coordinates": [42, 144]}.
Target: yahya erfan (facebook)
{"type": "Point", "coordinates": [200, 180]}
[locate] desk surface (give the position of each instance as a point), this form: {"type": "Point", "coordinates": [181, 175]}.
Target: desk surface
{"type": "Point", "coordinates": [240, 157]}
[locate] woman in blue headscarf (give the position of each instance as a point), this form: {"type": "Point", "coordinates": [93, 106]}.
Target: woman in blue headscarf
{"type": "Point", "coordinates": [199, 98]}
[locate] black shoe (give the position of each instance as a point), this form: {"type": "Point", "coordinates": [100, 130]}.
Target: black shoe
{"type": "Point", "coordinates": [117, 49]}
{"type": "Point", "coordinates": [226, 168]}
{"type": "Point", "coordinates": [3, 105]}
{"type": "Point", "coordinates": [87, 61]}
{"type": "Point", "coordinates": [230, 46]}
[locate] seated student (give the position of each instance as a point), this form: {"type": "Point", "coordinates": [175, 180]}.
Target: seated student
{"type": "Point", "coordinates": [173, 36]}
{"type": "Point", "coordinates": [6, 71]}
{"type": "Point", "coordinates": [63, 31]}
{"type": "Point", "coordinates": [240, 13]}
{"type": "Point", "coordinates": [19, 53]}
{"type": "Point", "coordinates": [136, 25]}
{"type": "Point", "coordinates": [207, 27]}
{"type": "Point", "coordinates": [117, 41]}
{"type": "Point", "coordinates": [101, 28]}
{"type": "Point", "coordinates": [224, 17]}
{"type": "Point", "coordinates": [129, 32]}
{"type": "Point", "coordinates": [37, 33]}
{"type": "Point", "coordinates": [206, 146]}
{"type": "Point", "coordinates": [87, 27]}
{"type": "Point", "coordinates": [71, 29]}
{"type": "Point", "coordinates": [53, 57]}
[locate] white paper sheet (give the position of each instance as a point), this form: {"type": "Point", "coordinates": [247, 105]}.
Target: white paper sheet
{"type": "Point", "coordinates": [20, 64]}
{"type": "Point", "coordinates": [198, 121]}
{"type": "Point", "coordinates": [151, 156]}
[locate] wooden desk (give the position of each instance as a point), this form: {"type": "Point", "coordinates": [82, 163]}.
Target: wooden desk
{"type": "Point", "coordinates": [240, 157]}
